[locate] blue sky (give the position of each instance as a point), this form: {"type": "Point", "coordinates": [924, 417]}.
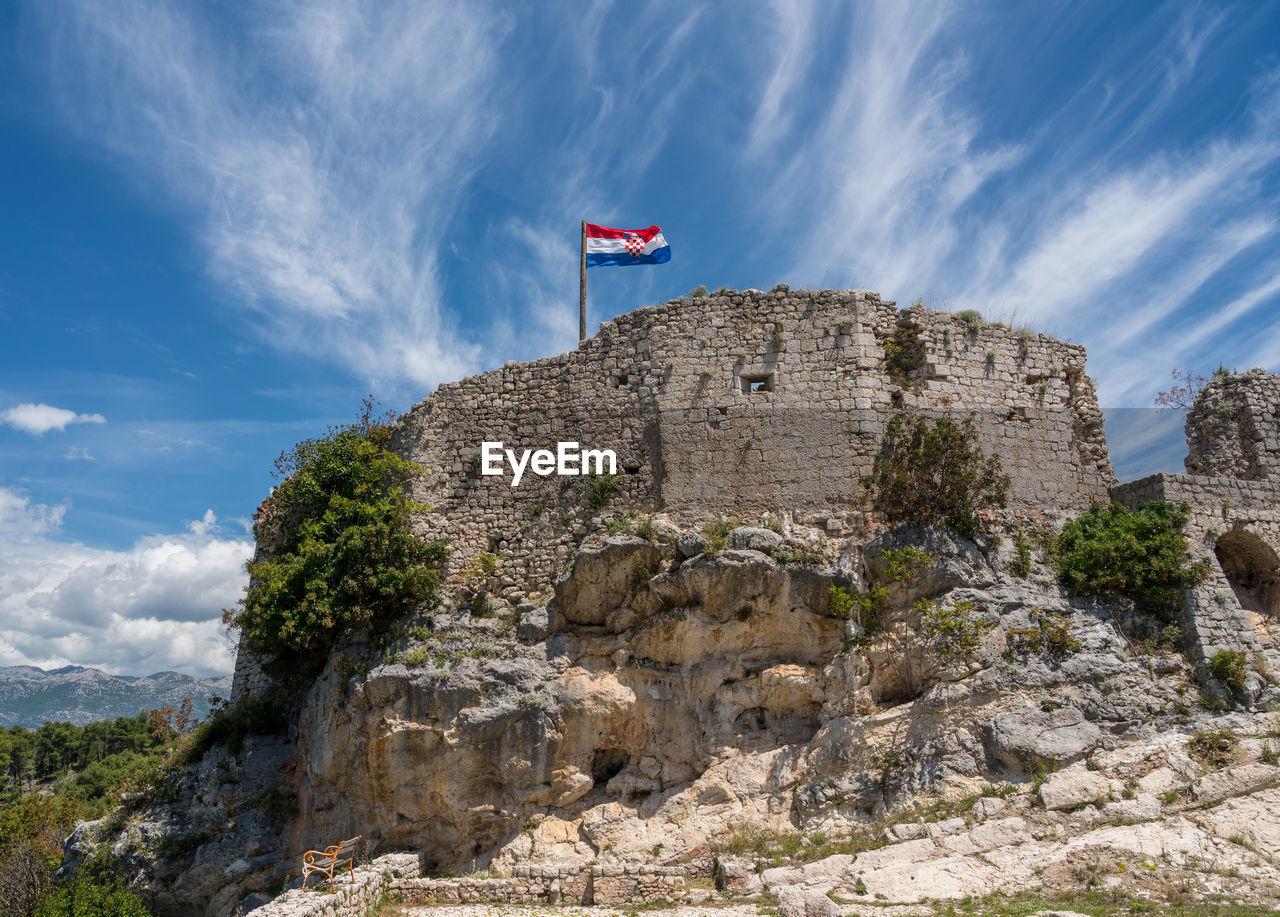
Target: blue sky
{"type": "Point", "coordinates": [226, 223]}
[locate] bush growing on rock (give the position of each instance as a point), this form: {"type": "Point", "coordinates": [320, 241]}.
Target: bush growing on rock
{"type": "Point", "coordinates": [1229, 666]}
{"type": "Point", "coordinates": [957, 630]}
{"type": "Point", "coordinates": [344, 557]}
{"type": "Point", "coordinates": [1050, 633]}
{"type": "Point", "coordinates": [1111, 550]}
{"type": "Point", "coordinates": [865, 608]}
{"type": "Point", "coordinates": [905, 564]}
{"type": "Point", "coordinates": [81, 898]}
{"type": "Point", "coordinates": [931, 472]}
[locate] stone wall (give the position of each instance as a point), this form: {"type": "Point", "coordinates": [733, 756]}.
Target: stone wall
{"type": "Point", "coordinates": [1234, 527]}
{"type": "Point", "coordinates": [619, 884]}
{"type": "Point", "coordinates": [357, 895]}
{"type": "Point", "coordinates": [1234, 428]}
{"type": "Point", "coordinates": [746, 403]}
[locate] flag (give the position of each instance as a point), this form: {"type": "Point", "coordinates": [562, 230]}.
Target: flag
{"type": "Point", "coordinates": [626, 246]}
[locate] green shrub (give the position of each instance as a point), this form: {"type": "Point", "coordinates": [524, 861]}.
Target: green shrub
{"type": "Point", "coordinates": [896, 360]}
{"type": "Point", "coordinates": [600, 490]}
{"type": "Point", "coordinates": [1229, 666]}
{"type": "Point", "coordinates": [931, 472]}
{"type": "Point", "coordinates": [483, 565]}
{"type": "Point", "coordinates": [863, 607]}
{"type": "Point", "coordinates": [905, 564]}
{"type": "Point", "coordinates": [481, 606]}
{"type": "Point", "coordinates": [717, 534]}
{"type": "Point", "coordinates": [699, 291]}
{"type": "Point", "coordinates": [82, 898]}
{"type": "Point", "coordinates": [956, 631]}
{"type": "Point", "coordinates": [799, 553]}
{"type": "Point", "coordinates": [1021, 566]}
{"type": "Point", "coordinates": [1214, 747]}
{"type": "Point", "coordinates": [839, 603]}
{"type": "Point", "coordinates": [345, 557]}
{"type": "Point", "coordinates": [1050, 633]}
{"type": "Point", "coordinates": [973, 319]}
{"type": "Point", "coordinates": [1111, 550]}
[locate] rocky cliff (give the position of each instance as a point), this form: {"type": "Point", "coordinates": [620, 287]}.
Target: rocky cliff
{"type": "Point", "coordinates": [676, 704]}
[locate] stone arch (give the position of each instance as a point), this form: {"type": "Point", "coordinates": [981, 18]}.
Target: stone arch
{"type": "Point", "coordinates": [1252, 567]}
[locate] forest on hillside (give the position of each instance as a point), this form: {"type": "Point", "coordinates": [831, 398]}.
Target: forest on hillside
{"type": "Point", "coordinates": [56, 775]}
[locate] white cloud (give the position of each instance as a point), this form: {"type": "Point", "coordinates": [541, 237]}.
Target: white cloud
{"type": "Point", "coordinates": [878, 184]}
{"type": "Point", "coordinates": [322, 152]}
{"type": "Point", "coordinates": [205, 524]}
{"type": "Point", "coordinates": [39, 419]}
{"type": "Point", "coordinates": [22, 521]}
{"type": "Point", "coordinates": [1087, 224]}
{"type": "Point", "coordinates": [1106, 229]}
{"type": "Point", "coordinates": [154, 606]}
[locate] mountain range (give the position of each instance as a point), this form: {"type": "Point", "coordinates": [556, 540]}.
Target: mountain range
{"type": "Point", "coordinates": [30, 696]}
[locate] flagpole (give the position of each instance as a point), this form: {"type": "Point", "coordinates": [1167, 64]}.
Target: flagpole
{"type": "Point", "coordinates": [582, 286]}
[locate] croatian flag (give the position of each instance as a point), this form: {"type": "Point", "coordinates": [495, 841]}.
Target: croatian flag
{"type": "Point", "coordinates": [626, 246]}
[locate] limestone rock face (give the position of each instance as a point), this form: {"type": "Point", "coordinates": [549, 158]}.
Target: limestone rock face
{"type": "Point", "coordinates": [1077, 786]}
{"type": "Point", "coordinates": [604, 577]}
{"type": "Point", "coordinates": [661, 703]}
{"type": "Point", "coordinates": [1042, 737]}
{"type": "Point", "coordinates": [755, 539]}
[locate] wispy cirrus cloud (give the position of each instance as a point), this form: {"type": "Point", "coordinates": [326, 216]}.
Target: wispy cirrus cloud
{"type": "Point", "coordinates": [320, 147]}
{"type": "Point", "coordinates": [891, 160]}
{"type": "Point", "coordinates": [1083, 223]}
{"type": "Point", "coordinates": [39, 419]}
{"type": "Point", "coordinates": [331, 153]}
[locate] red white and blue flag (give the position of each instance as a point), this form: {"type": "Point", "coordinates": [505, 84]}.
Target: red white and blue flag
{"type": "Point", "coordinates": [626, 246]}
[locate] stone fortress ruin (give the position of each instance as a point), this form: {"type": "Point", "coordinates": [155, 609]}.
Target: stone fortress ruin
{"type": "Point", "coordinates": [744, 404]}
{"type": "Point", "coordinates": [772, 405]}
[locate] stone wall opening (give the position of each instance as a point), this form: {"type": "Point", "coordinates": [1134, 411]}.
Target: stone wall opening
{"type": "Point", "coordinates": [1252, 568]}
{"type": "Point", "coordinates": [757, 382]}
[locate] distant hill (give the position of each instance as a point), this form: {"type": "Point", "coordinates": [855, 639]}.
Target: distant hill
{"type": "Point", "coordinates": [30, 696]}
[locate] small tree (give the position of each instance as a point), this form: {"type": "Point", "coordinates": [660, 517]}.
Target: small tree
{"type": "Point", "coordinates": [1186, 388]}
{"type": "Point", "coordinates": [931, 472]}
{"type": "Point", "coordinates": [345, 556]}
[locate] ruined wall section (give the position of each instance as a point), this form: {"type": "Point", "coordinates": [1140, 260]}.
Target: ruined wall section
{"type": "Point", "coordinates": [1234, 527]}
{"type": "Point", "coordinates": [1234, 428]}
{"type": "Point", "coordinates": [1030, 396]}
{"type": "Point", "coordinates": [741, 403]}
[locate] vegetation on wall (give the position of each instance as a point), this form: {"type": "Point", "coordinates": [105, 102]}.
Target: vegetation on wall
{"type": "Point", "coordinates": [905, 564]}
{"type": "Point", "coordinates": [931, 472]}
{"type": "Point", "coordinates": [345, 557]}
{"type": "Point", "coordinates": [1111, 550]}
{"type": "Point", "coordinates": [864, 608]}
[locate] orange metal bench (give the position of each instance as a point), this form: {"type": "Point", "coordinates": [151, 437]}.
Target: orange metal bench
{"type": "Point", "coordinates": [329, 860]}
